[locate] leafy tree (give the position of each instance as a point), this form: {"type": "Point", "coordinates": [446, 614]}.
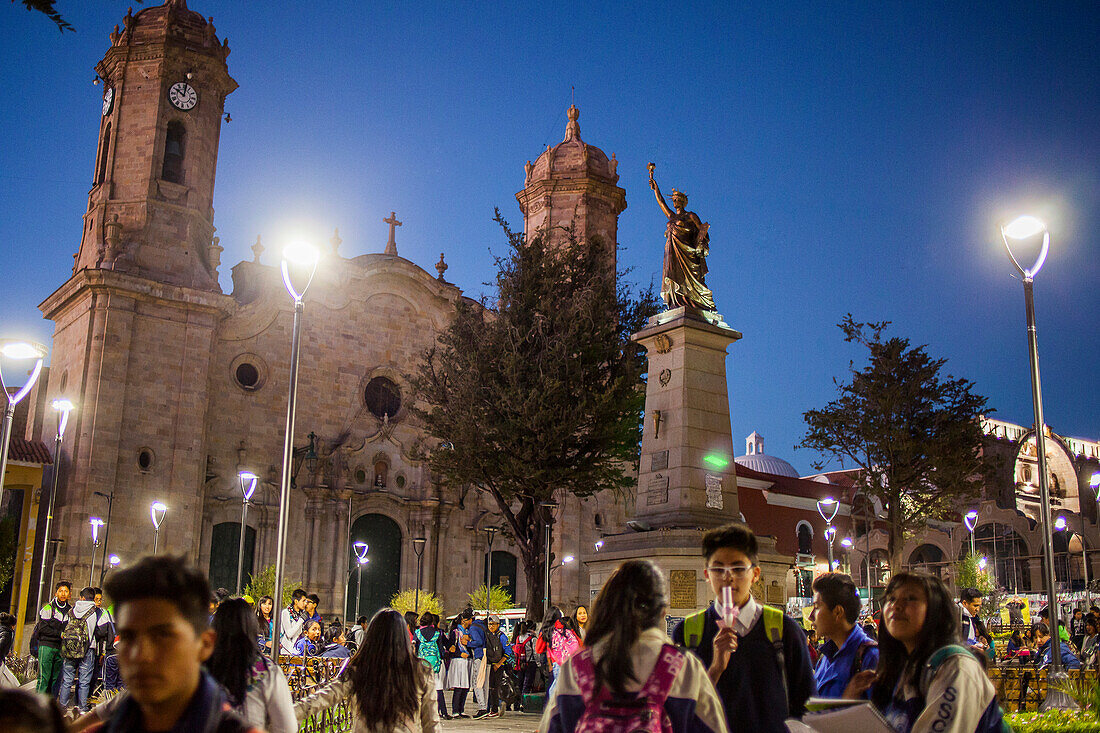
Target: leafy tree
{"type": "Point", "coordinates": [912, 430]}
{"type": "Point", "coordinates": [46, 7]}
{"type": "Point", "coordinates": [970, 574]}
{"type": "Point", "coordinates": [263, 584]}
{"type": "Point", "coordinates": [9, 538]}
{"type": "Point", "coordinates": [405, 600]}
{"type": "Point", "coordinates": [536, 393]}
{"type": "Point", "coordinates": [499, 598]}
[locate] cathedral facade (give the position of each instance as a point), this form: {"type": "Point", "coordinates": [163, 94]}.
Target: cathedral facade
{"type": "Point", "coordinates": [179, 386]}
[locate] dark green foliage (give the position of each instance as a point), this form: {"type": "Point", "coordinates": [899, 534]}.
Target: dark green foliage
{"type": "Point", "coordinates": [914, 431]}
{"type": "Point", "coordinates": [46, 7]}
{"type": "Point", "coordinates": [539, 390]}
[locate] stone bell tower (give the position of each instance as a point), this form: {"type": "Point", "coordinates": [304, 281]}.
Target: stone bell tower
{"type": "Point", "coordinates": [136, 323]}
{"type": "Point", "coordinates": [572, 184]}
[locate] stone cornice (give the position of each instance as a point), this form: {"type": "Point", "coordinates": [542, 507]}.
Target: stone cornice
{"type": "Point", "coordinates": [97, 279]}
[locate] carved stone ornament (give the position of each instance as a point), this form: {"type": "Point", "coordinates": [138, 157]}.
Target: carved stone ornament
{"type": "Point", "coordinates": [663, 344]}
{"type": "Point", "coordinates": [664, 376]}
{"type": "Point", "coordinates": [714, 491]}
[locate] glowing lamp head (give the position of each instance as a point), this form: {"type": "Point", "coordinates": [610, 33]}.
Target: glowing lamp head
{"type": "Point", "coordinates": [827, 508]}
{"type": "Point", "coordinates": [302, 254]}
{"type": "Point", "coordinates": [360, 551]}
{"type": "Point", "coordinates": [63, 405]}
{"type": "Point", "coordinates": [1094, 481]}
{"type": "Point", "coordinates": [248, 483]}
{"type": "Point", "coordinates": [846, 542]}
{"type": "Point", "coordinates": [1060, 523]}
{"type": "Point", "coordinates": [96, 523]}
{"type": "Point", "coordinates": [970, 519]}
{"type": "Point", "coordinates": [114, 560]}
{"type": "Point", "coordinates": [157, 510]}
{"type": "Point", "coordinates": [599, 545]}
{"type": "Point", "coordinates": [982, 562]}
{"type": "Point", "coordinates": [830, 533]}
{"type": "Point", "coordinates": [22, 350]}
{"type": "Point", "coordinates": [1023, 227]}
{"type": "Point", "coordinates": [567, 559]}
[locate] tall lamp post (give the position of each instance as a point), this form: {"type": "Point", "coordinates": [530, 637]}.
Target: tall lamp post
{"type": "Point", "coordinates": [846, 543]}
{"type": "Point", "coordinates": [106, 532]}
{"type": "Point", "coordinates": [361, 560]}
{"type": "Point", "coordinates": [112, 563]}
{"type": "Point", "coordinates": [1028, 228]}
{"type": "Point", "coordinates": [490, 534]}
{"type": "Point", "coordinates": [549, 506]}
{"type": "Point", "coordinates": [96, 523]}
{"type": "Point", "coordinates": [157, 510]}
{"type": "Point", "coordinates": [418, 548]}
{"type": "Point", "coordinates": [304, 258]}
{"type": "Point", "coordinates": [248, 487]}
{"type": "Point", "coordinates": [827, 508]}
{"type": "Point", "coordinates": [63, 407]}
{"type": "Point", "coordinates": [19, 351]}
{"type": "Point", "coordinates": [970, 519]}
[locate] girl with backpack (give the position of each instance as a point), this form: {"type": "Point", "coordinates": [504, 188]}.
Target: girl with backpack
{"type": "Point", "coordinates": [523, 647]}
{"type": "Point", "coordinates": [428, 648]}
{"type": "Point", "coordinates": [628, 677]}
{"type": "Point", "coordinates": [557, 641]}
{"type": "Point", "coordinates": [926, 680]}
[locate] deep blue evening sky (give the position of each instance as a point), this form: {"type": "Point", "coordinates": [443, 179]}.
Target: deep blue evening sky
{"type": "Point", "coordinates": [848, 156]}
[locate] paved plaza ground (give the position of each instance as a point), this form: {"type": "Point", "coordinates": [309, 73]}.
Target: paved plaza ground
{"type": "Point", "coordinates": [527, 722]}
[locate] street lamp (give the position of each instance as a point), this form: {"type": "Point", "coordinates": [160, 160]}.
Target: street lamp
{"type": "Point", "coordinates": [248, 487]}
{"type": "Point", "coordinates": [304, 259]}
{"type": "Point", "coordinates": [63, 407]}
{"type": "Point", "coordinates": [1027, 228]}
{"type": "Point", "coordinates": [96, 523]}
{"type": "Point", "coordinates": [107, 532]}
{"type": "Point", "coordinates": [362, 559]}
{"type": "Point", "coordinates": [19, 351]}
{"type": "Point", "coordinates": [112, 563]}
{"type": "Point", "coordinates": [418, 548]}
{"type": "Point", "coordinates": [830, 533]}
{"type": "Point", "coordinates": [970, 519]}
{"type": "Point", "coordinates": [549, 505]}
{"type": "Point", "coordinates": [599, 545]}
{"type": "Point", "coordinates": [827, 508]}
{"type": "Point", "coordinates": [157, 511]}
{"type": "Point", "coordinates": [490, 535]}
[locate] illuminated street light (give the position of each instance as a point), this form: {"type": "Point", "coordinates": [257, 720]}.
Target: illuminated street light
{"type": "Point", "coordinates": [17, 351]}
{"type": "Point", "coordinates": [970, 519]}
{"type": "Point", "coordinates": [1025, 228]}
{"type": "Point", "coordinates": [303, 257]}
{"type": "Point", "coordinates": [248, 487]}
{"type": "Point", "coordinates": [361, 560]}
{"type": "Point", "coordinates": [418, 548]}
{"type": "Point", "coordinates": [96, 523]}
{"type": "Point", "coordinates": [63, 407]}
{"type": "Point", "coordinates": [157, 510]}
{"type": "Point", "coordinates": [599, 545]}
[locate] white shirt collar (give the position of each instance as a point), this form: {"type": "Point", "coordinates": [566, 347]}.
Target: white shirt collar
{"type": "Point", "coordinates": [750, 612]}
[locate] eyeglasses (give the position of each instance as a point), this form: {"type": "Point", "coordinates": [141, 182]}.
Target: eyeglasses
{"type": "Point", "coordinates": [733, 571]}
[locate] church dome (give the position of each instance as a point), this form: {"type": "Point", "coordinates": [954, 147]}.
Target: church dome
{"type": "Point", "coordinates": [573, 157]}
{"type": "Point", "coordinates": [757, 460]}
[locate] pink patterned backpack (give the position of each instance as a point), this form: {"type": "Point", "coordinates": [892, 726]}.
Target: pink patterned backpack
{"type": "Point", "coordinates": [641, 713]}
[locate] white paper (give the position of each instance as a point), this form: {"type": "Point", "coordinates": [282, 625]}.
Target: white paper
{"type": "Point", "coordinates": [863, 718]}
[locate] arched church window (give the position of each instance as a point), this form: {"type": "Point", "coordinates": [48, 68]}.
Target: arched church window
{"type": "Point", "coordinates": [173, 153]}
{"type": "Point", "coordinates": [805, 538]}
{"type": "Point", "coordinates": [383, 397]}
{"type": "Point", "coordinates": [104, 148]}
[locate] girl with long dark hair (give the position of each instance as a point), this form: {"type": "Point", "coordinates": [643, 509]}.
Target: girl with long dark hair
{"type": "Point", "coordinates": [392, 690]}
{"type": "Point", "coordinates": [557, 641]}
{"type": "Point", "coordinates": [628, 664]}
{"type": "Point", "coordinates": [255, 685]}
{"type": "Point", "coordinates": [926, 680]}
{"type": "Point", "coordinates": [265, 612]}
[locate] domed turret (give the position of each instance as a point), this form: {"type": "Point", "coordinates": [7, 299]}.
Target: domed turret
{"type": "Point", "coordinates": [757, 460]}
{"type": "Point", "coordinates": [572, 184]}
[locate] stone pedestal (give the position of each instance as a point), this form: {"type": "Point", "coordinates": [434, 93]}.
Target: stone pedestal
{"type": "Point", "coordinates": [686, 478]}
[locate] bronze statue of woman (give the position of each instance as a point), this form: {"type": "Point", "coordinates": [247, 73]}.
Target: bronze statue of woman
{"type": "Point", "coordinates": [687, 244]}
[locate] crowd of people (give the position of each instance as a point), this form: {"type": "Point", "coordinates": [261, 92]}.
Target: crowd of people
{"type": "Point", "coordinates": [188, 661]}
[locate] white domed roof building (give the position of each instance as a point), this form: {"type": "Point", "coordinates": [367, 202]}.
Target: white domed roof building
{"type": "Point", "coordinates": [756, 459]}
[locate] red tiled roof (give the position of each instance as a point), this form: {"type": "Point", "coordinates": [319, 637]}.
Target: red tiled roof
{"type": "Point", "coordinates": [28, 451]}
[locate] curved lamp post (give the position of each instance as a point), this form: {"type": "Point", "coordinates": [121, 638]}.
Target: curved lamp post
{"type": "Point", "coordinates": [361, 559]}
{"type": "Point", "coordinates": [1021, 229]}
{"type": "Point", "coordinates": [63, 407]}
{"type": "Point", "coordinates": [157, 510]}
{"type": "Point", "coordinates": [827, 508]}
{"type": "Point", "coordinates": [304, 258]}
{"type": "Point", "coordinates": [418, 548]}
{"type": "Point", "coordinates": [830, 533]}
{"type": "Point", "coordinates": [18, 351]}
{"type": "Point", "coordinates": [970, 519]}
{"type": "Point", "coordinates": [847, 544]}
{"type": "Point", "coordinates": [96, 523]}
{"type": "Point", "coordinates": [248, 487]}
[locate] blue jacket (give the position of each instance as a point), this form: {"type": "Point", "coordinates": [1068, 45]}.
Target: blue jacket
{"type": "Point", "coordinates": [1069, 661]}
{"type": "Point", "coordinates": [477, 632]}
{"type": "Point", "coordinates": [836, 667]}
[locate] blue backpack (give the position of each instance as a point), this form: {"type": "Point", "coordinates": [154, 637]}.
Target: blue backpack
{"type": "Point", "coordinates": [428, 650]}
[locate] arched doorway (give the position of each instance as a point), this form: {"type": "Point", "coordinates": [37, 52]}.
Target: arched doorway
{"type": "Point", "coordinates": [225, 543]}
{"type": "Point", "coordinates": [927, 558]}
{"type": "Point", "coordinates": [382, 575]}
{"type": "Point", "coordinates": [504, 571]}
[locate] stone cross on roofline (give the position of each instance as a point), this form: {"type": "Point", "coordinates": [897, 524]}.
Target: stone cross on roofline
{"type": "Point", "coordinates": [391, 245]}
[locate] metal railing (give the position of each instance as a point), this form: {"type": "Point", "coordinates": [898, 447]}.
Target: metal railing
{"type": "Point", "coordinates": [306, 675]}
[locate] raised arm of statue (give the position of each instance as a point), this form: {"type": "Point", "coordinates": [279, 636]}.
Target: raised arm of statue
{"type": "Point", "coordinates": [657, 192]}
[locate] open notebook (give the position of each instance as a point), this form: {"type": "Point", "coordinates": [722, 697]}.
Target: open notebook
{"type": "Point", "coordinates": [840, 716]}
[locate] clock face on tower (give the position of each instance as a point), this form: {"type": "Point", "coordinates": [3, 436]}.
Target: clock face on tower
{"type": "Point", "coordinates": [108, 100]}
{"type": "Point", "coordinates": [183, 96]}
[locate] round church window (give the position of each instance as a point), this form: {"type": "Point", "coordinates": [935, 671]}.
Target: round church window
{"type": "Point", "coordinates": [248, 376]}
{"type": "Point", "coordinates": [383, 397]}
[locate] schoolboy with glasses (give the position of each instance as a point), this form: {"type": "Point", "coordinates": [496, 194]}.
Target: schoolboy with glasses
{"type": "Point", "coordinates": [760, 665]}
